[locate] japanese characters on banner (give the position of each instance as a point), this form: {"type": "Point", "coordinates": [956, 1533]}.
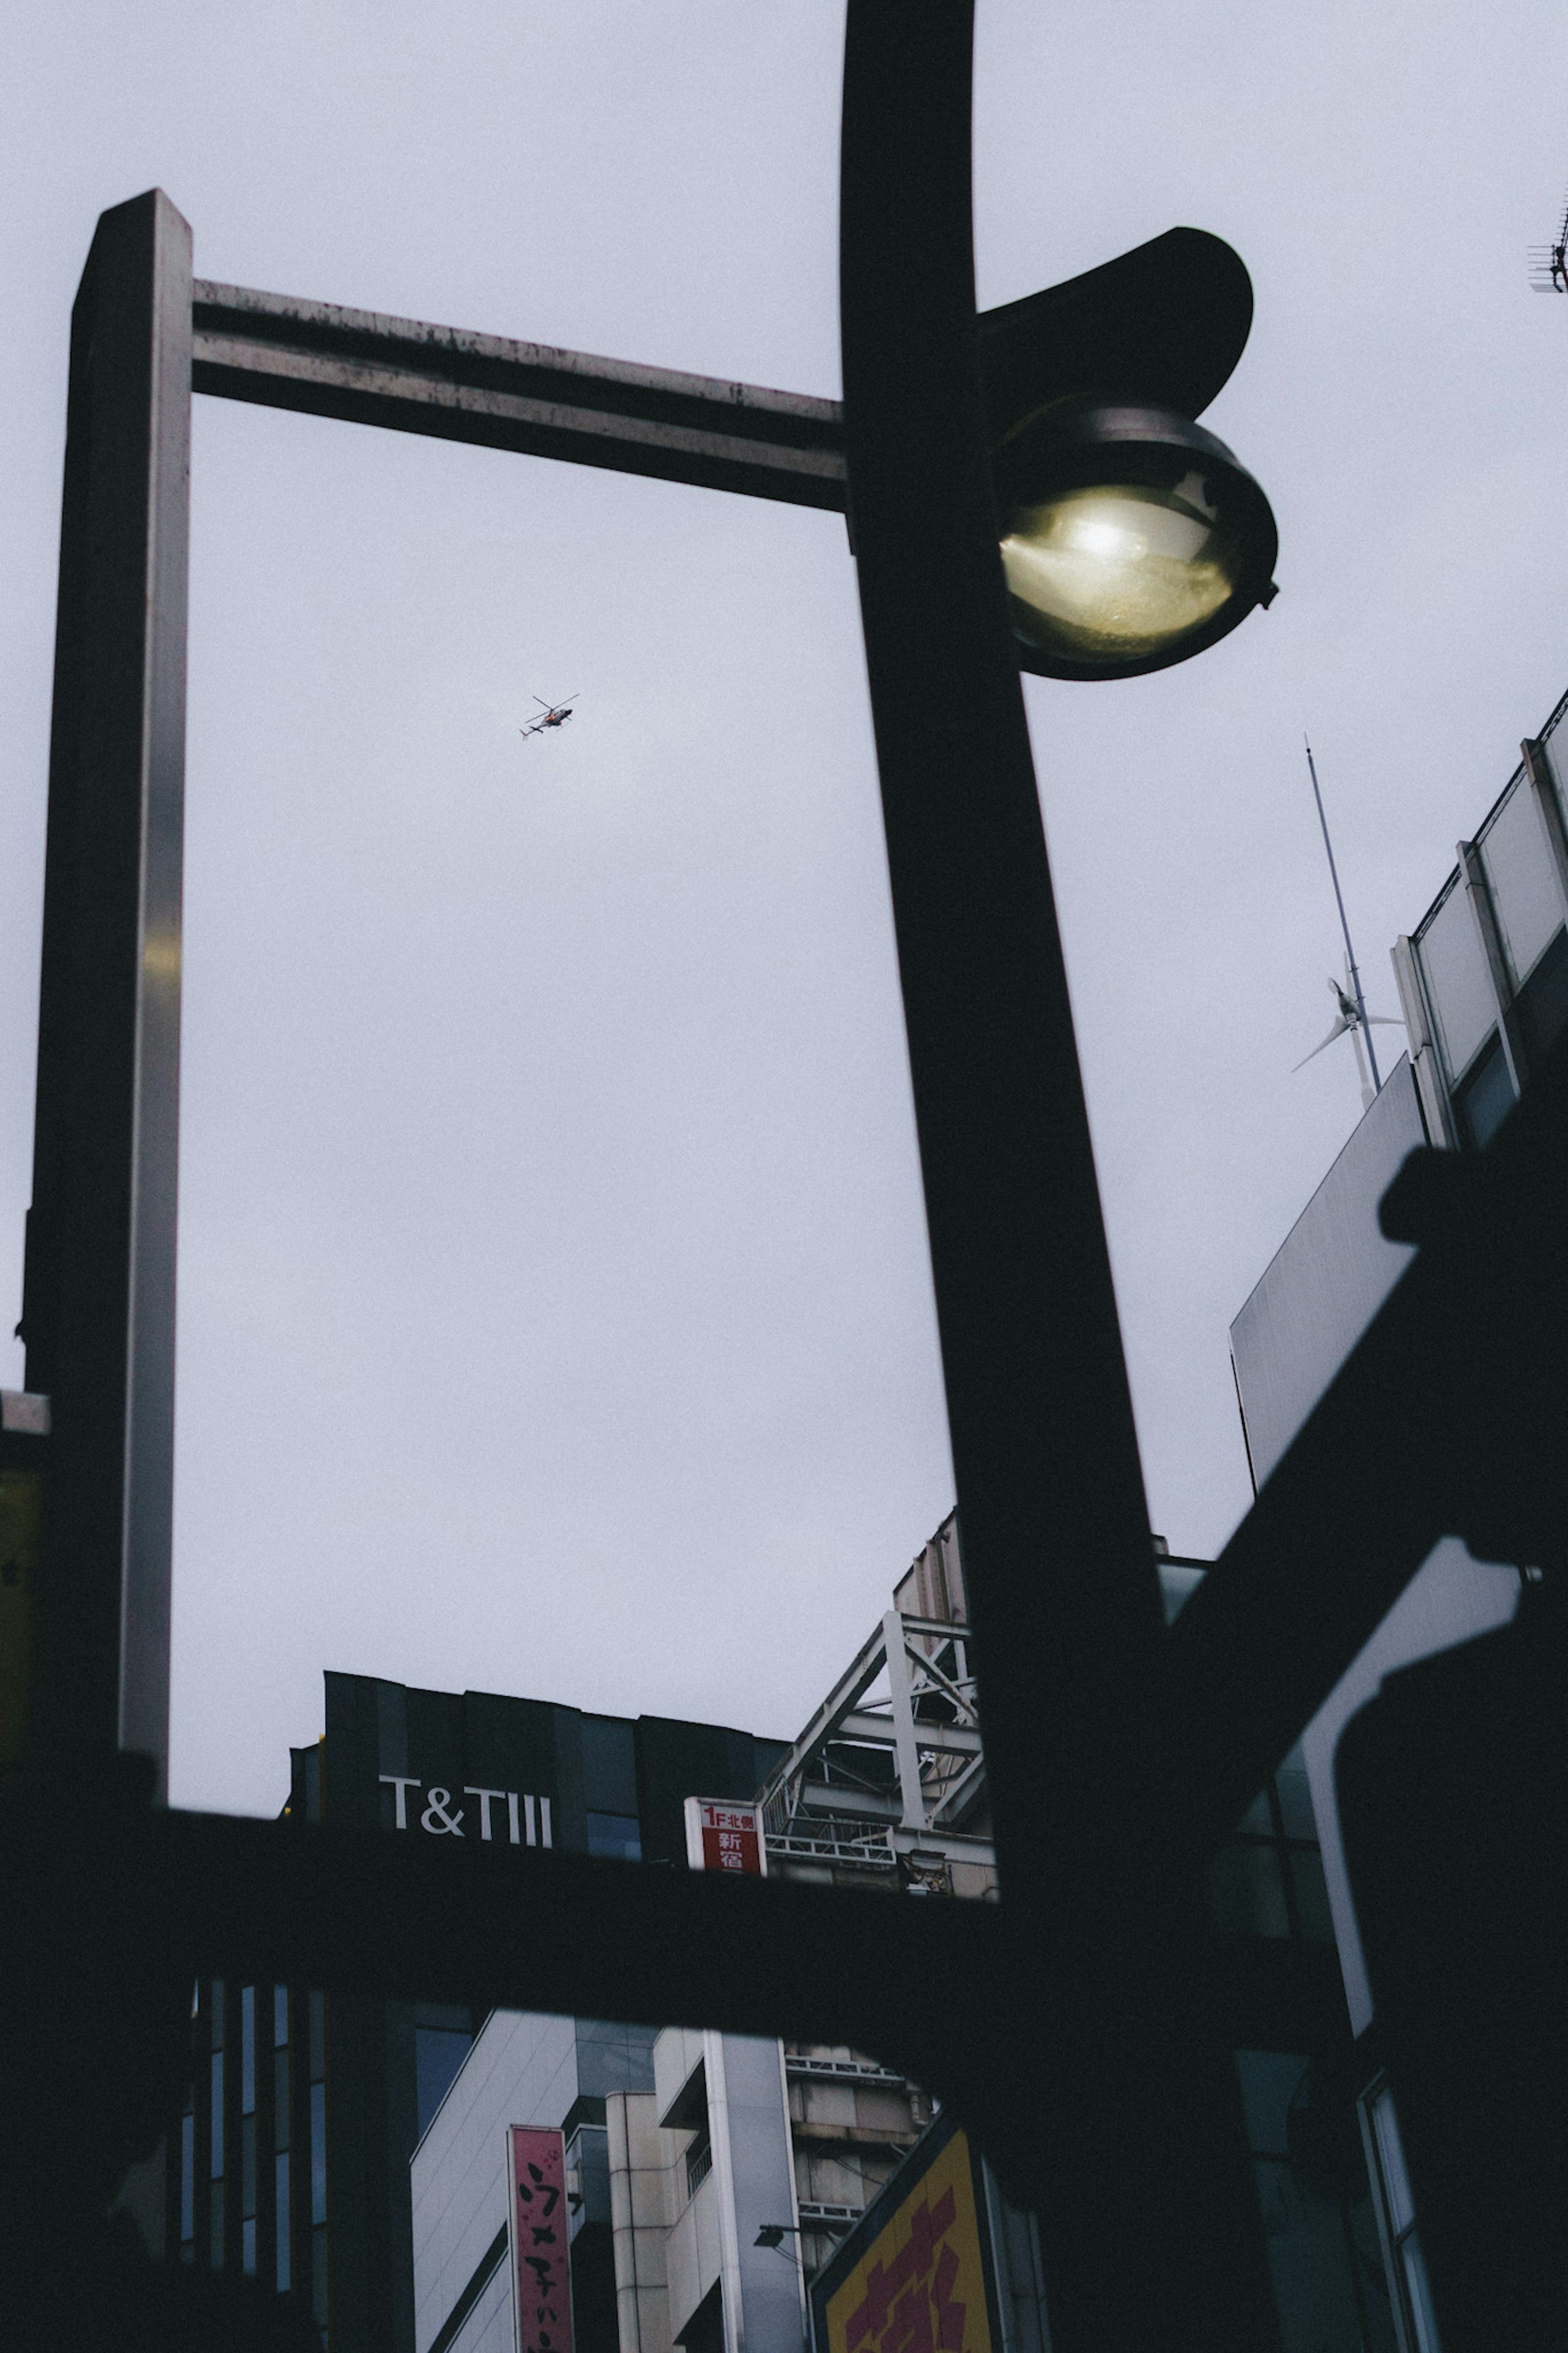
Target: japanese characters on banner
{"type": "Point", "coordinates": [541, 2240]}
{"type": "Point", "coordinates": [919, 2287]}
{"type": "Point", "coordinates": [725, 1834]}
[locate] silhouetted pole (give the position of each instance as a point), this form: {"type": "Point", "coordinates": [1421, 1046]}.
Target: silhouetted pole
{"type": "Point", "coordinates": [1127, 2134]}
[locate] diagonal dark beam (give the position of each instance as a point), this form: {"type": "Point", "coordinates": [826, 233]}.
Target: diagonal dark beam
{"type": "Point", "coordinates": [460, 386]}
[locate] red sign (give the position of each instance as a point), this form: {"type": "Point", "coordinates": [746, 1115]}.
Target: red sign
{"type": "Point", "coordinates": [541, 2240]}
{"type": "Point", "coordinates": [729, 1837]}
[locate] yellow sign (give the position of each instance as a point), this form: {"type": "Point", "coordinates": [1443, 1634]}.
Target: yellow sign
{"type": "Point", "coordinates": [21, 1514]}
{"type": "Point", "coordinates": [921, 2286]}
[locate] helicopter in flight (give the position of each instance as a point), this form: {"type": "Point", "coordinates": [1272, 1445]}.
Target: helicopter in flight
{"type": "Point", "coordinates": [553, 714]}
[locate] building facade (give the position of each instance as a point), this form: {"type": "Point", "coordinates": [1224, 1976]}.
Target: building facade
{"type": "Point", "coordinates": [1483, 986]}
{"type": "Point", "coordinates": [735, 2173]}
{"type": "Point", "coordinates": [294, 2148]}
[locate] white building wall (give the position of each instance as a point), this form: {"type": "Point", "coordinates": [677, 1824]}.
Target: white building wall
{"type": "Point", "coordinates": [751, 2182]}
{"type": "Point", "coordinates": [522, 2069]}
{"type": "Point", "coordinates": [696, 2256]}
{"type": "Point", "coordinates": [644, 2165]}
{"type": "Point", "coordinates": [489, 2326]}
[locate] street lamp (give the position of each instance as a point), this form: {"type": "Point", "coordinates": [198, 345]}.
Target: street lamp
{"type": "Point", "coordinates": [1131, 537]}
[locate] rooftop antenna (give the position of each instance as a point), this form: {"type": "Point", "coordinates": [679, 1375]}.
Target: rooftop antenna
{"type": "Point", "coordinates": [1350, 966]}
{"type": "Point", "coordinates": [1549, 263]}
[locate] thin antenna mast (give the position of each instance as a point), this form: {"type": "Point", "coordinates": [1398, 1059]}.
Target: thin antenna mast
{"type": "Point", "coordinates": [1344, 925]}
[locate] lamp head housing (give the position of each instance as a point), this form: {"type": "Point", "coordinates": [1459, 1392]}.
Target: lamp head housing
{"type": "Point", "coordinates": [1130, 539]}
{"type": "Point", "coordinates": [1131, 536]}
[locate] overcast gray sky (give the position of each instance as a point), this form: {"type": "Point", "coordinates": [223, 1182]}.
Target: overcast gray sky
{"type": "Point", "coordinates": [555, 1312]}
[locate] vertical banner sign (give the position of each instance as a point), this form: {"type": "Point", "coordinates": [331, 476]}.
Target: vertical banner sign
{"type": "Point", "coordinates": [541, 2240]}
{"type": "Point", "coordinates": [723, 1834]}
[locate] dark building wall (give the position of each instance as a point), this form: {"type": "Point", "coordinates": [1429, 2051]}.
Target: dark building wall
{"type": "Point", "coordinates": [676, 1761]}
{"type": "Point", "coordinates": [613, 1786]}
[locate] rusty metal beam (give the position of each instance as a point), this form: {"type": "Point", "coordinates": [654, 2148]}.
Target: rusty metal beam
{"type": "Point", "coordinates": [369, 369]}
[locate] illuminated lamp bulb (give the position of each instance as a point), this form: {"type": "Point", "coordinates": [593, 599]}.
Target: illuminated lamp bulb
{"type": "Point", "coordinates": [1131, 540]}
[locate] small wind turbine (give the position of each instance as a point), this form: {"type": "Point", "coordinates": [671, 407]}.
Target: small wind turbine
{"type": "Point", "coordinates": [1351, 1018]}
{"type": "Point", "coordinates": [1352, 1013]}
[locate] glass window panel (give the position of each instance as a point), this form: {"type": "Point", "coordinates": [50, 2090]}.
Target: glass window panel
{"type": "Point", "coordinates": [319, 2276]}
{"type": "Point", "coordinates": [1486, 1099]}
{"type": "Point", "coordinates": [1247, 1892]}
{"type": "Point", "coordinates": [1259, 1818]}
{"type": "Point", "coordinates": [217, 2116]}
{"type": "Point", "coordinates": [1458, 984]}
{"type": "Point", "coordinates": [280, 2014]}
{"type": "Point", "coordinates": [1543, 999]}
{"type": "Point", "coordinates": [1522, 872]}
{"type": "Point", "coordinates": [318, 2152]}
{"type": "Point", "coordinates": [247, 2165]}
{"type": "Point", "coordinates": [1296, 1801]}
{"type": "Point", "coordinates": [247, 2050]}
{"type": "Point", "coordinates": [614, 1834]}
{"type": "Point", "coordinates": [1270, 2080]}
{"type": "Point", "coordinates": [188, 2177]}
{"type": "Point", "coordinates": [247, 2246]}
{"type": "Point", "coordinates": [609, 1765]}
{"type": "Point", "coordinates": [1391, 2157]}
{"type": "Point", "coordinates": [282, 2184]}
{"type": "Point", "coordinates": [438, 2052]}
{"type": "Point", "coordinates": [1311, 1893]}
{"type": "Point", "coordinates": [280, 2099]}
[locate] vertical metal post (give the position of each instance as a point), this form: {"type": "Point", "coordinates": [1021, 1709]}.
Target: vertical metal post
{"type": "Point", "coordinates": [99, 1313]}
{"type": "Point", "coordinates": [1538, 768]}
{"type": "Point", "coordinates": [905, 1747]}
{"type": "Point", "coordinates": [1477, 890]}
{"type": "Point", "coordinates": [1123, 2139]}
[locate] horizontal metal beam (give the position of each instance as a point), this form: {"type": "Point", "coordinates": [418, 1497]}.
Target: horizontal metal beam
{"type": "Point", "coordinates": [367, 1914]}
{"type": "Point", "coordinates": [958, 1739]}
{"type": "Point", "coordinates": [880, 1810]}
{"type": "Point", "coordinates": [368, 369]}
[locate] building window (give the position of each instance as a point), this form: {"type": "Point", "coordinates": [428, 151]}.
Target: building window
{"type": "Point", "coordinates": [318, 2152]}
{"type": "Point", "coordinates": [699, 2162]}
{"type": "Point", "coordinates": [438, 2052]}
{"type": "Point", "coordinates": [187, 2184]}
{"type": "Point", "coordinates": [1543, 999]}
{"type": "Point", "coordinates": [248, 2168]}
{"type": "Point", "coordinates": [281, 2164]}
{"type": "Point", "coordinates": [1267, 1878]}
{"type": "Point", "coordinates": [1312, 2198]}
{"type": "Point", "coordinates": [615, 1834]}
{"type": "Point", "coordinates": [1484, 1097]}
{"type": "Point", "coordinates": [248, 2051]}
{"type": "Point", "coordinates": [1397, 2216]}
{"type": "Point", "coordinates": [318, 2275]}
